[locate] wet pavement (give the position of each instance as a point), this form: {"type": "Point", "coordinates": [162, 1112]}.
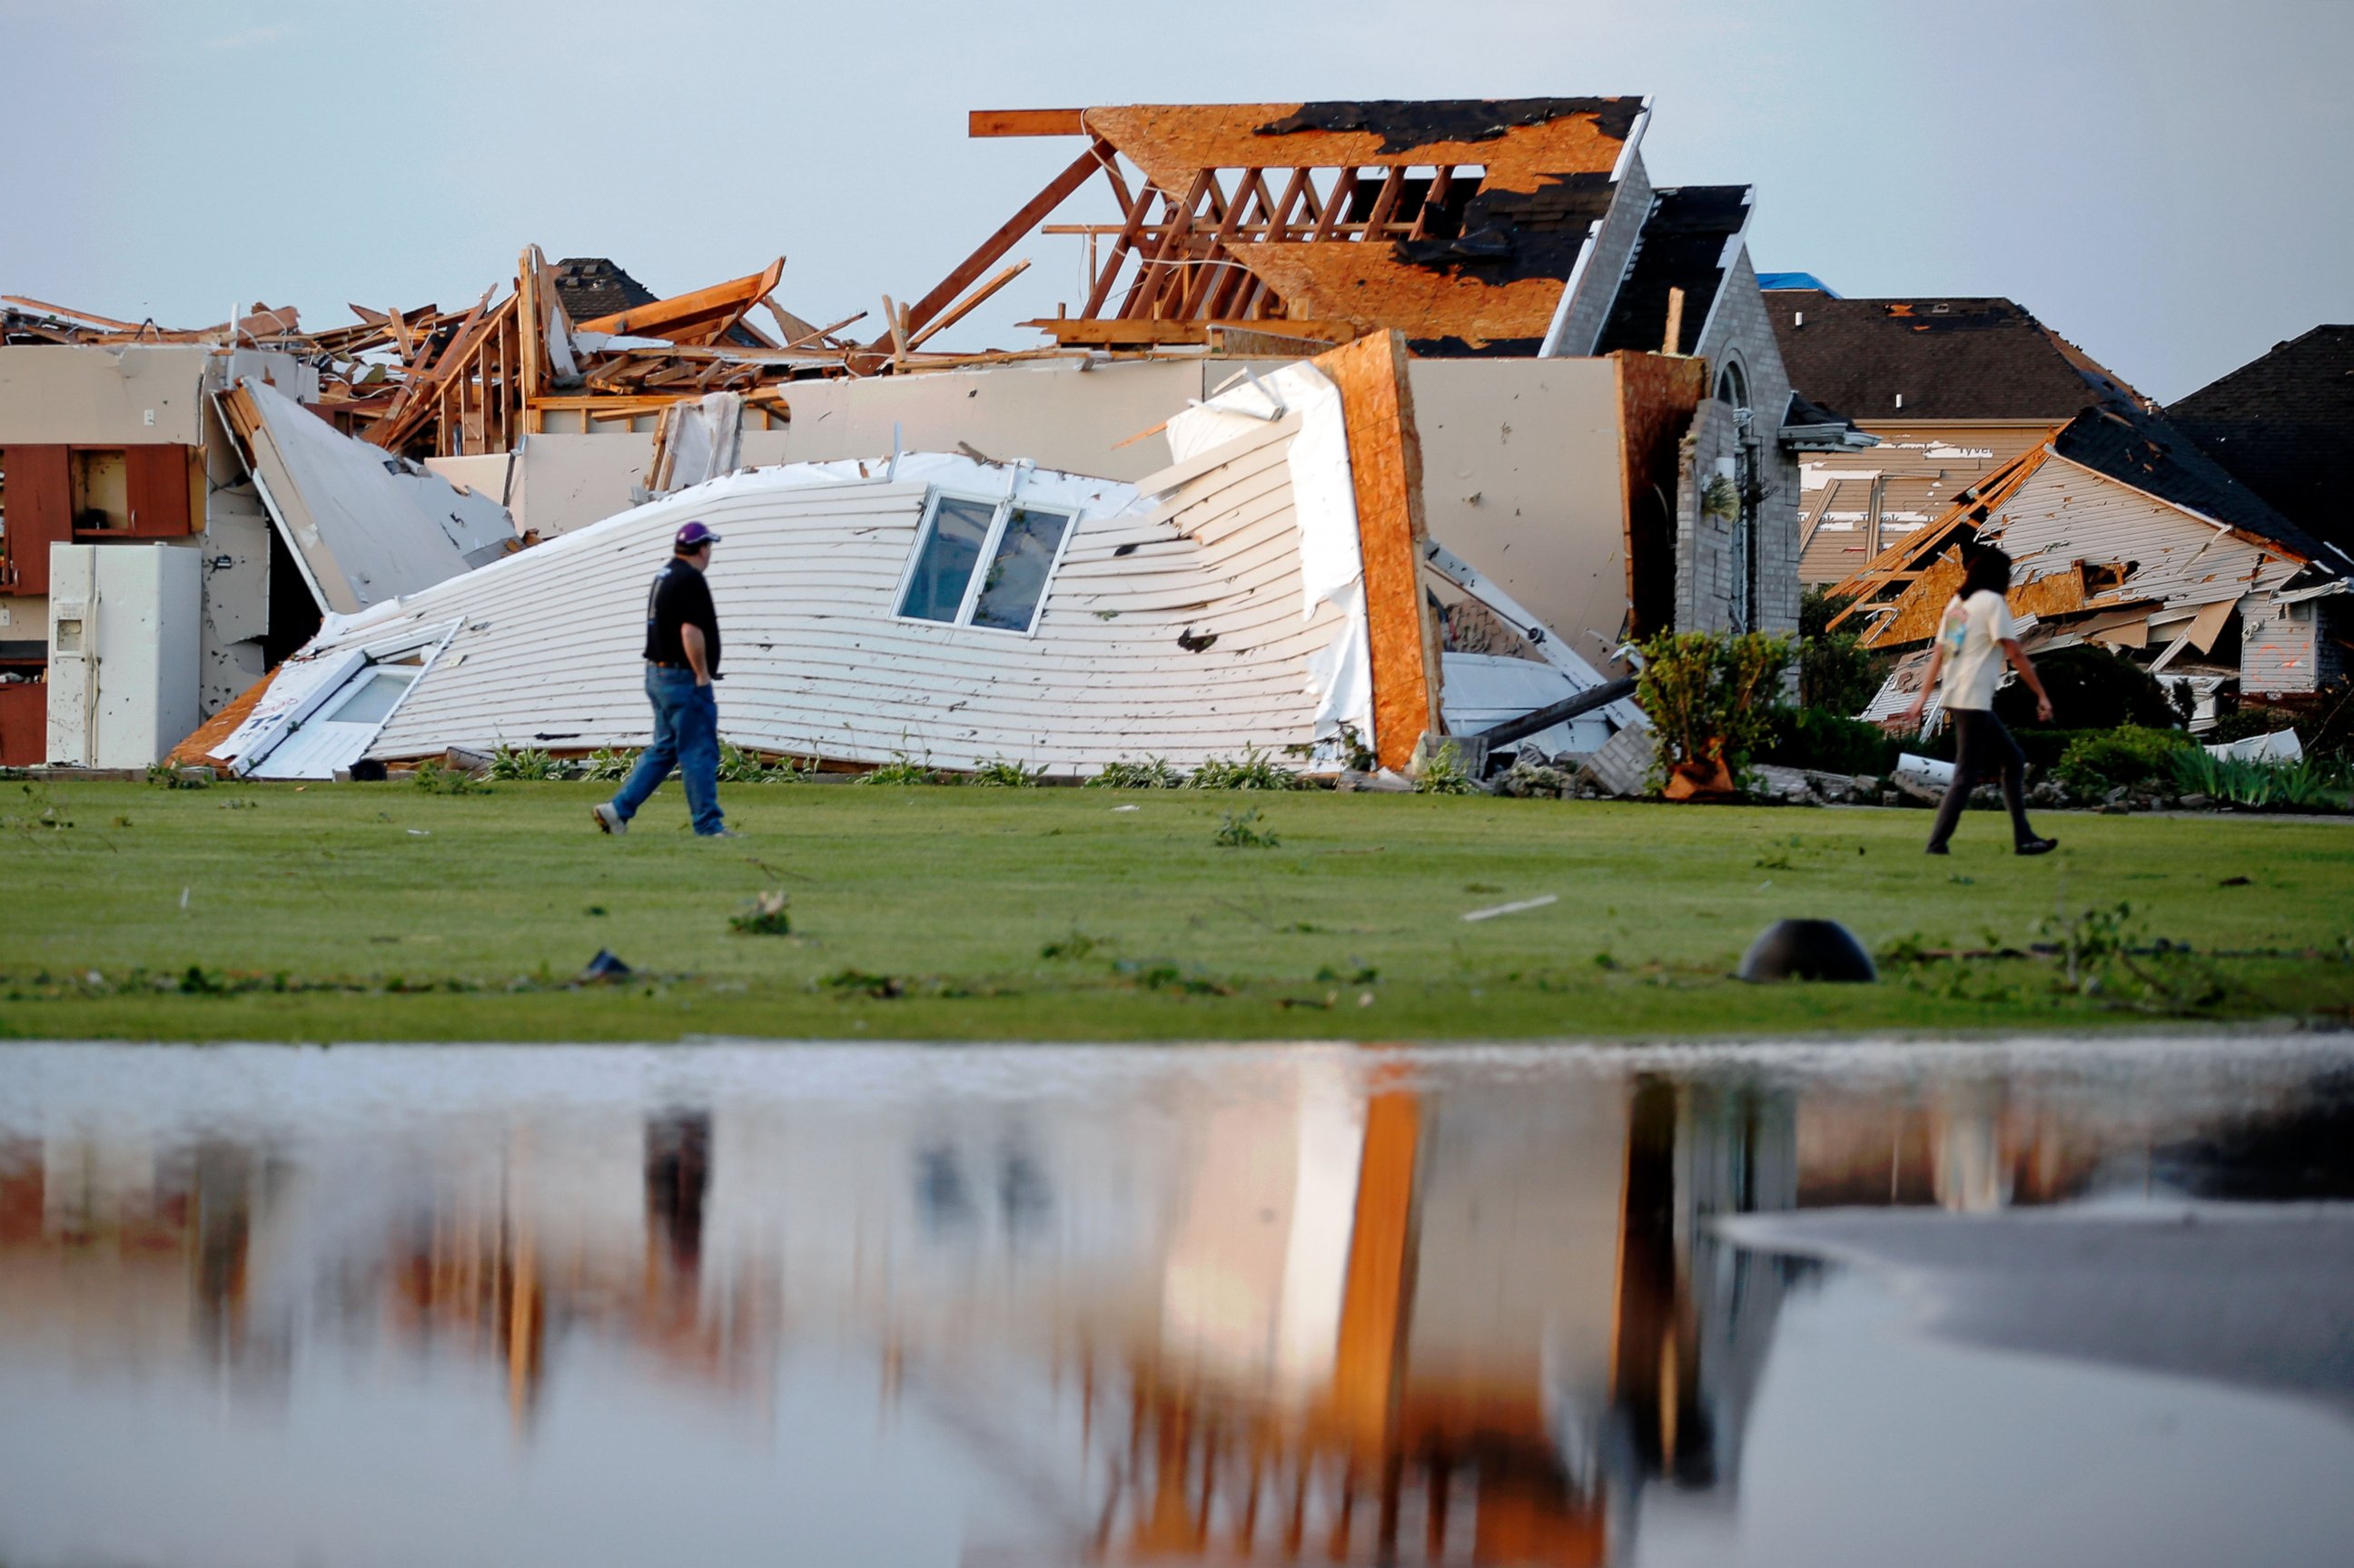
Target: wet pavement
{"type": "Point", "coordinates": [2070, 1303]}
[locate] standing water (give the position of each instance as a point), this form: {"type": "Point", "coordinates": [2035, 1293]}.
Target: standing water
{"type": "Point", "coordinates": [2070, 1302]}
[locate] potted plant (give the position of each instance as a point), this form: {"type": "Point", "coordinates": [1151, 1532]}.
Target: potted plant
{"type": "Point", "coordinates": [1709, 694]}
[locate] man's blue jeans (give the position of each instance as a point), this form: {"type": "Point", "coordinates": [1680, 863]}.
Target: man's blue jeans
{"type": "Point", "coordinates": [686, 735]}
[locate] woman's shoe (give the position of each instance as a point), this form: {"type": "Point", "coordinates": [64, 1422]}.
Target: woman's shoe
{"type": "Point", "coordinates": [2038, 847]}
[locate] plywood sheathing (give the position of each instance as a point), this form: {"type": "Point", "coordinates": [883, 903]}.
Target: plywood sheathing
{"type": "Point", "coordinates": [1367, 286]}
{"type": "Point", "coordinates": [1356, 252]}
{"type": "Point", "coordinates": [1657, 395]}
{"type": "Point", "coordinates": [1385, 467]}
{"type": "Point", "coordinates": [198, 748]}
{"type": "Point", "coordinates": [1170, 142]}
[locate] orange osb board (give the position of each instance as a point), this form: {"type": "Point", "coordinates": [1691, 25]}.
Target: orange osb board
{"type": "Point", "coordinates": [1920, 606]}
{"type": "Point", "coordinates": [1170, 142]}
{"type": "Point", "coordinates": [197, 749]}
{"type": "Point", "coordinates": [1369, 287]}
{"type": "Point", "coordinates": [1385, 468]}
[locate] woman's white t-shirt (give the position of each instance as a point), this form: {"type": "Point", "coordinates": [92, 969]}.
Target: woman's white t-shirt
{"type": "Point", "coordinates": [1972, 634]}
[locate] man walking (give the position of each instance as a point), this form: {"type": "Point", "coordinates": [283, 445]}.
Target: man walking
{"type": "Point", "coordinates": [682, 662]}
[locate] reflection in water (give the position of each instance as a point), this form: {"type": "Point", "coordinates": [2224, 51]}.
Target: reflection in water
{"type": "Point", "coordinates": [1320, 1304]}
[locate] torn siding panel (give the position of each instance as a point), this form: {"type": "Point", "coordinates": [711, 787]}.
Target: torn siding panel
{"type": "Point", "coordinates": [2065, 513]}
{"type": "Point", "coordinates": [817, 662]}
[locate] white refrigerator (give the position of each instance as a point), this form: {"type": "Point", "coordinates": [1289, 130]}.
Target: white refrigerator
{"type": "Point", "coordinates": [124, 631]}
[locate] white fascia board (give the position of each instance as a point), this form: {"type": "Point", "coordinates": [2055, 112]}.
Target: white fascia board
{"type": "Point", "coordinates": [1736, 246]}
{"type": "Point", "coordinates": [1551, 348]}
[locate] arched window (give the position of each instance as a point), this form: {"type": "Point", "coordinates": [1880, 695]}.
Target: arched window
{"type": "Point", "coordinates": [1732, 386]}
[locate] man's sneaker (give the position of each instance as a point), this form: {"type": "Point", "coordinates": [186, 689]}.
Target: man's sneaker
{"type": "Point", "coordinates": [609, 821]}
{"type": "Point", "coordinates": [2038, 847]}
{"type": "Point", "coordinates": [720, 833]}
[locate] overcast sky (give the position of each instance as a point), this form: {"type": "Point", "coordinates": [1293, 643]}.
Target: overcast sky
{"type": "Point", "coordinates": [2165, 182]}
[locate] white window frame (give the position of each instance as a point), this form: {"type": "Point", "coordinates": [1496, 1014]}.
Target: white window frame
{"type": "Point", "coordinates": [1005, 506]}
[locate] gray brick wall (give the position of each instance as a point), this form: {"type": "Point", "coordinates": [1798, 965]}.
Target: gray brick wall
{"type": "Point", "coordinates": [1607, 266]}
{"type": "Point", "coordinates": [1738, 330]}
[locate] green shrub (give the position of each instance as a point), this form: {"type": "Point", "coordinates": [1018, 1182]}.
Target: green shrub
{"type": "Point", "coordinates": [1152, 773]}
{"type": "Point", "coordinates": [436, 779]}
{"type": "Point", "coordinates": [2091, 688]}
{"type": "Point", "coordinates": [1707, 694]}
{"type": "Point", "coordinates": [901, 769]}
{"type": "Point", "coordinates": [2311, 785]}
{"type": "Point", "coordinates": [1254, 770]}
{"type": "Point", "coordinates": [525, 762]}
{"type": "Point", "coordinates": [2129, 754]}
{"type": "Point", "coordinates": [999, 774]}
{"type": "Point", "coordinates": [2240, 724]}
{"type": "Point", "coordinates": [1821, 740]}
{"type": "Point", "coordinates": [608, 763]}
{"type": "Point", "coordinates": [1836, 671]}
{"type": "Point", "coordinates": [1443, 773]}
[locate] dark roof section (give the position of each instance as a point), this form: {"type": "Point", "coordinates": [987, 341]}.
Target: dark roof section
{"type": "Point", "coordinates": [2143, 450]}
{"type": "Point", "coordinates": [1949, 359]}
{"type": "Point", "coordinates": [1683, 246]}
{"type": "Point", "coordinates": [592, 286]}
{"type": "Point", "coordinates": [1403, 124]}
{"type": "Point", "coordinates": [2283, 425]}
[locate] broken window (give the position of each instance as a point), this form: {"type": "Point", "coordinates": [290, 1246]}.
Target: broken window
{"type": "Point", "coordinates": [946, 554]}
{"type": "Point", "coordinates": [1019, 567]}
{"type": "Point", "coordinates": [947, 581]}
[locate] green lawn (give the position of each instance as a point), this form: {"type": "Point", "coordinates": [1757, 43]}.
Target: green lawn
{"type": "Point", "coordinates": [363, 912]}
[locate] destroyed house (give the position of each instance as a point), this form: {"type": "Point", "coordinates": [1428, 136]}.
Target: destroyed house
{"type": "Point", "coordinates": [1601, 433]}
{"type": "Point", "coordinates": [2284, 426]}
{"type": "Point", "coordinates": [1953, 389]}
{"type": "Point", "coordinates": [1274, 587]}
{"type": "Point", "coordinates": [2124, 535]}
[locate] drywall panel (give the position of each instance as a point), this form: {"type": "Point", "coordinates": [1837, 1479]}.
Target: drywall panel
{"type": "Point", "coordinates": [87, 395]}
{"type": "Point", "coordinates": [568, 482]}
{"type": "Point", "coordinates": [1057, 415]}
{"type": "Point", "coordinates": [1520, 477]}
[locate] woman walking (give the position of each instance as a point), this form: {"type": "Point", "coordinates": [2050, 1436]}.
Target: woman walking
{"type": "Point", "coordinates": [1974, 639]}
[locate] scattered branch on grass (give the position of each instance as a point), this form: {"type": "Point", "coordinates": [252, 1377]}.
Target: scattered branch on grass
{"type": "Point", "coordinates": [858, 983]}
{"type": "Point", "coordinates": [766, 916]}
{"type": "Point", "coordinates": [1241, 830]}
{"type": "Point", "coordinates": [164, 776]}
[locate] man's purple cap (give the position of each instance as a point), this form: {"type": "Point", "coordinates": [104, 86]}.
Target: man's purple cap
{"type": "Point", "coordinates": [695, 535]}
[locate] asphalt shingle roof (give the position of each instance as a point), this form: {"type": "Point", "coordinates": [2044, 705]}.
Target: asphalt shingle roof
{"type": "Point", "coordinates": [1682, 246]}
{"type": "Point", "coordinates": [1949, 359]}
{"type": "Point", "coordinates": [2284, 426]}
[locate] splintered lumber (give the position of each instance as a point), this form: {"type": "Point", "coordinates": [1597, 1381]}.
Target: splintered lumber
{"type": "Point", "coordinates": [1027, 123]}
{"type": "Point", "coordinates": [966, 306]}
{"type": "Point", "coordinates": [702, 316]}
{"type": "Point", "coordinates": [1057, 191]}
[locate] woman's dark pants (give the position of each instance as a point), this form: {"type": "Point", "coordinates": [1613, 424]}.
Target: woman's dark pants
{"type": "Point", "coordinates": [1982, 746]}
